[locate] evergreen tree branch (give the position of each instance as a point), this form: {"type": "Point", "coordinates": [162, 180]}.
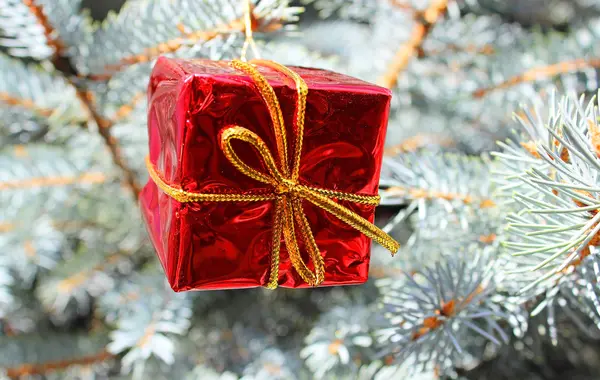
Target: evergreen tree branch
{"type": "Point", "coordinates": [29, 369]}
{"type": "Point", "coordinates": [6, 227]}
{"type": "Point", "coordinates": [447, 310]}
{"type": "Point", "coordinates": [110, 142]}
{"type": "Point", "coordinates": [64, 65]}
{"type": "Point", "coordinates": [414, 143]}
{"type": "Point", "coordinates": [75, 280]}
{"type": "Point", "coordinates": [421, 193]}
{"type": "Point", "coordinates": [402, 5]}
{"type": "Point", "coordinates": [171, 46]}
{"type": "Point", "coordinates": [27, 104]}
{"type": "Point", "coordinates": [58, 225]}
{"type": "Point", "coordinates": [41, 354]}
{"type": "Point", "coordinates": [410, 48]}
{"type": "Point", "coordinates": [201, 24]}
{"type": "Point", "coordinates": [84, 178]}
{"type": "Point", "coordinates": [125, 110]}
{"type": "Point", "coordinates": [50, 32]}
{"type": "Point", "coordinates": [44, 29]}
{"type": "Point", "coordinates": [145, 325]}
{"type": "Point", "coordinates": [32, 90]}
{"type": "Point", "coordinates": [541, 72]}
{"type": "Point", "coordinates": [432, 313]}
{"type": "Point", "coordinates": [455, 48]}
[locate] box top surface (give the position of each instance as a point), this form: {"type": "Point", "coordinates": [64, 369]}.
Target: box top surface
{"type": "Point", "coordinates": [316, 79]}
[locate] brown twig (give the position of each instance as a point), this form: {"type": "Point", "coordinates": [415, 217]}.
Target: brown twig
{"type": "Point", "coordinates": [453, 48]}
{"type": "Point", "coordinates": [104, 126]}
{"type": "Point", "coordinates": [448, 310]}
{"type": "Point", "coordinates": [87, 178]}
{"type": "Point", "coordinates": [488, 239]}
{"type": "Point", "coordinates": [125, 110]}
{"type": "Point", "coordinates": [71, 282]}
{"type": "Point", "coordinates": [595, 240]}
{"type": "Point", "coordinates": [49, 31]}
{"type": "Point", "coordinates": [188, 37]}
{"type": "Point", "coordinates": [541, 72]}
{"type": "Point", "coordinates": [20, 151]}
{"type": "Point", "coordinates": [413, 143]}
{"type": "Point", "coordinates": [383, 271]}
{"type": "Point", "coordinates": [6, 227]}
{"type": "Point", "coordinates": [410, 48]}
{"type": "Point", "coordinates": [29, 369]}
{"type": "Point", "coordinates": [404, 5]}
{"type": "Point", "coordinates": [27, 104]}
{"type": "Point", "coordinates": [419, 193]}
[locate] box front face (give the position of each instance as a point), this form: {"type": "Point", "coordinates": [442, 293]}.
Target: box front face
{"type": "Point", "coordinates": [228, 244]}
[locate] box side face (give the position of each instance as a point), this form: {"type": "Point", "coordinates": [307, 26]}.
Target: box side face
{"type": "Point", "coordinates": [165, 93]}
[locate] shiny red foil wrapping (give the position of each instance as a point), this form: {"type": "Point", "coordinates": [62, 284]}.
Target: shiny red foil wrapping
{"type": "Point", "coordinates": [220, 245]}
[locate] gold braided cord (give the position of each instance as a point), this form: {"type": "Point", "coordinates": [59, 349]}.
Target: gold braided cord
{"type": "Point", "coordinates": [302, 90]}
{"type": "Point", "coordinates": [349, 217]}
{"type": "Point", "coordinates": [276, 243]}
{"type": "Point", "coordinates": [241, 133]}
{"type": "Point", "coordinates": [309, 240]}
{"type": "Point", "coordinates": [371, 200]}
{"type": "Point", "coordinates": [249, 41]}
{"type": "Point", "coordinates": [287, 192]}
{"type": "Point", "coordinates": [183, 196]}
{"type": "Point", "coordinates": [291, 243]}
{"type": "Point", "coordinates": [270, 99]}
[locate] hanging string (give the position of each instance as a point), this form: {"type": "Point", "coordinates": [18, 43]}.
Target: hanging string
{"type": "Point", "coordinates": [249, 41]}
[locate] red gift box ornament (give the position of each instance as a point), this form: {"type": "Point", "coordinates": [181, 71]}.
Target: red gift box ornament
{"type": "Point", "coordinates": [287, 192]}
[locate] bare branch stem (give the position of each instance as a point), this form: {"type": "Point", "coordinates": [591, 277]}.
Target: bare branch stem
{"type": "Point", "coordinates": [410, 48]}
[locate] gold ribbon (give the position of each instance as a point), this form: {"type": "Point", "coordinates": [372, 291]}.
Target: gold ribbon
{"type": "Point", "coordinates": [287, 192]}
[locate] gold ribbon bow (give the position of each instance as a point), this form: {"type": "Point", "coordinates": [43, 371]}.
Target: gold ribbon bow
{"type": "Point", "coordinates": [287, 192]}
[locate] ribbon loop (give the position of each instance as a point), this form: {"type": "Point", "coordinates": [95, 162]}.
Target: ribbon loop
{"type": "Point", "coordinates": [287, 192]}
{"type": "Point", "coordinates": [240, 133]}
{"type": "Point", "coordinates": [270, 99]}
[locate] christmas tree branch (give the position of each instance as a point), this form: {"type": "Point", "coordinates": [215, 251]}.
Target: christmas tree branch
{"type": "Point", "coordinates": [85, 178]}
{"type": "Point", "coordinates": [402, 5]}
{"type": "Point", "coordinates": [6, 227]}
{"type": "Point", "coordinates": [412, 144]}
{"type": "Point", "coordinates": [488, 239]}
{"type": "Point", "coordinates": [384, 271]}
{"type": "Point", "coordinates": [454, 48]}
{"type": "Point", "coordinates": [447, 310]}
{"type": "Point", "coordinates": [49, 31]}
{"type": "Point", "coordinates": [541, 72]}
{"type": "Point", "coordinates": [420, 193]}
{"type": "Point", "coordinates": [425, 22]}
{"type": "Point", "coordinates": [110, 142]}
{"type": "Point", "coordinates": [173, 45]}
{"type": "Point", "coordinates": [63, 64]}
{"type": "Point", "coordinates": [73, 281]}
{"type": "Point", "coordinates": [29, 369]}
{"type": "Point", "coordinates": [187, 38]}
{"type": "Point", "coordinates": [27, 104]}
{"type": "Point", "coordinates": [125, 110]}
{"type": "Point", "coordinates": [59, 225]}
